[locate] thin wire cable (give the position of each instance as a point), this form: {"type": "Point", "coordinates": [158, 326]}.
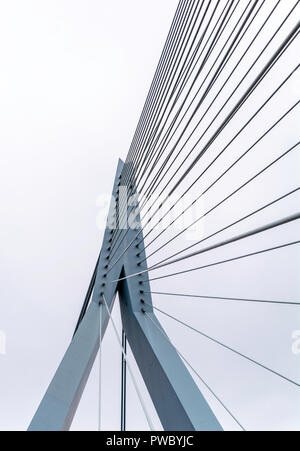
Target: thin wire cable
{"type": "Point", "coordinates": [158, 82]}
{"type": "Point", "coordinates": [226, 346]}
{"type": "Point", "coordinates": [159, 76]}
{"type": "Point", "coordinates": [173, 175]}
{"type": "Point", "coordinates": [87, 296]}
{"type": "Point", "coordinates": [134, 171]}
{"type": "Point", "coordinates": [249, 91]}
{"type": "Point", "coordinates": [205, 60]}
{"type": "Point", "coordinates": [179, 47]}
{"type": "Point", "coordinates": [202, 297]}
{"type": "Point", "coordinates": [220, 90]}
{"type": "Point", "coordinates": [176, 64]}
{"type": "Point", "coordinates": [232, 224]}
{"type": "Point", "coordinates": [234, 239]}
{"type": "Point", "coordinates": [212, 82]}
{"type": "Point", "coordinates": [290, 38]}
{"type": "Point", "coordinates": [211, 50]}
{"type": "Point", "coordinates": [158, 105]}
{"type": "Point", "coordinates": [246, 52]}
{"type": "Point", "coordinates": [272, 225]}
{"type": "Point", "coordinates": [214, 183]}
{"type": "Point", "coordinates": [247, 123]}
{"type": "Point", "coordinates": [196, 373]}
{"type": "Point", "coordinates": [228, 260]}
{"type": "Point", "coordinates": [217, 232]}
{"type": "Point", "coordinates": [212, 264]}
{"type": "Point", "coordinates": [224, 149]}
{"type": "Point", "coordinates": [173, 105]}
{"type": "Point", "coordinates": [123, 383]}
{"type": "Point", "coordinates": [227, 197]}
{"type": "Point", "coordinates": [187, 70]}
{"type": "Point", "coordinates": [129, 369]}
{"type": "Point", "coordinates": [290, 12]}
{"type": "Point", "coordinates": [100, 366]}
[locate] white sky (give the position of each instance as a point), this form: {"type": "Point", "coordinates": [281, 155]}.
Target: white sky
{"type": "Point", "coordinates": [73, 79]}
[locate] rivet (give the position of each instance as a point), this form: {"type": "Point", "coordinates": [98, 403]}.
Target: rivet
{"type": "Point", "coordinates": [142, 301]}
{"type": "Point", "coordinates": [143, 310]}
{"type": "Point", "coordinates": [141, 291]}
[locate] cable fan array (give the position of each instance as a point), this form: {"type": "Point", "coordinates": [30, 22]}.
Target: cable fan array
{"type": "Point", "coordinates": [216, 153]}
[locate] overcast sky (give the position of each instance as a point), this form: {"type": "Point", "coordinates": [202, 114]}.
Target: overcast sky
{"type": "Point", "coordinates": [73, 79]}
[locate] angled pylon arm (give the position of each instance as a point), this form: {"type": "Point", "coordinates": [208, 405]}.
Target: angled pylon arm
{"type": "Point", "coordinates": [59, 404]}
{"type": "Point", "coordinates": [179, 403]}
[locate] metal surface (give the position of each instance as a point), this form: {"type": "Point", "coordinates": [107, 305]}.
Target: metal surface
{"type": "Point", "coordinates": [123, 383]}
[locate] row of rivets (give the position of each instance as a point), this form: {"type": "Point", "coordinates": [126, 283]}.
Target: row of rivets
{"type": "Point", "coordinates": [108, 250]}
